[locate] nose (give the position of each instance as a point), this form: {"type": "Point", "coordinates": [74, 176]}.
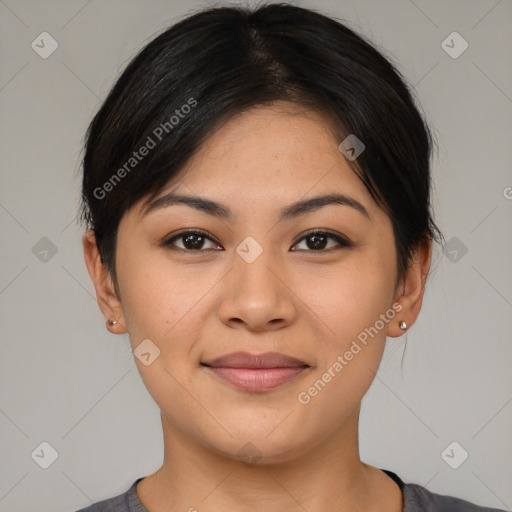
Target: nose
{"type": "Point", "coordinates": [256, 296]}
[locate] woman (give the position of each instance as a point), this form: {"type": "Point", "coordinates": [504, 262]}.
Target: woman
{"type": "Point", "coordinates": [257, 192]}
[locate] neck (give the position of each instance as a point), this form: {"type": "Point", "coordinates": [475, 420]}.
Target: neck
{"type": "Point", "coordinates": [327, 475]}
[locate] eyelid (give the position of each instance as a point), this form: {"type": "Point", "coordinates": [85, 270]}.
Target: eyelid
{"type": "Point", "coordinates": [168, 239]}
{"type": "Point", "coordinates": [342, 240]}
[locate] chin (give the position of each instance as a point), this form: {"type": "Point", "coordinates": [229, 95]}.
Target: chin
{"type": "Point", "coordinates": [254, 446]}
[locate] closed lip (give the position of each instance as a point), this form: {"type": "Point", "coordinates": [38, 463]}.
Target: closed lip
{"type": "Point", "coordinates": [254, 361]}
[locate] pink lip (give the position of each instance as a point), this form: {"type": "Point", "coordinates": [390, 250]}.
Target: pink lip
{"type": "Point", "coordinates": [256, 373]}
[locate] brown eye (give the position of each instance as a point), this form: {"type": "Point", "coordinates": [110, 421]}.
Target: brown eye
{"type": "Point", "coordinates": [190, 241]}
{"type": "Point", "coordinates": [197, 241]}
{"type": "Point", "coordinates": [317, 241]}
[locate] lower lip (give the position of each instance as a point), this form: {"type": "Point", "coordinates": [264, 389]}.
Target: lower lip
{"type": "Point", "coordinates": [258, 379]}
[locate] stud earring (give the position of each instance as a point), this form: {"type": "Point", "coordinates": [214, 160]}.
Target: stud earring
{"type": "Point", "coordinates": [112, 322]}
{"type": "Point", "coordinates": [403, 325]}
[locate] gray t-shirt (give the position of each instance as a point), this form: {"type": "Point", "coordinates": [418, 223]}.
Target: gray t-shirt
{"type": "Point", "coordinates": [416, 499]}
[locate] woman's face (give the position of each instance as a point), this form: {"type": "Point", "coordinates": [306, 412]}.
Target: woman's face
{"type": "Point", "coordinates": [259, 284]}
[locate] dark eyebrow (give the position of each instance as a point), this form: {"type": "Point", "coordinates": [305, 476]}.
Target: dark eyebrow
{"type": "Point", "coordinates": [223, 212]}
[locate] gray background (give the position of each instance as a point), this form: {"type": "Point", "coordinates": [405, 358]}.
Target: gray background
{"type": "Point", "coordinates": [65, 380]}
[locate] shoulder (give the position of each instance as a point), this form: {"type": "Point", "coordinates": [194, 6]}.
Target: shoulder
{"type": "Point", "coordinates": [124, 502]}
{"type": "Point", "coordinates": [420, 499]}
{"type": "Point", "coordinates": [115, 504]}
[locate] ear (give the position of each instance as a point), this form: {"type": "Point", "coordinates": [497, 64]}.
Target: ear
{"type": "Point", "coordinates": [108, 301]}
{"type": "Point", "coordinates": [410, 290]}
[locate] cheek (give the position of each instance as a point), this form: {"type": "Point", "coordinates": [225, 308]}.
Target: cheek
{"type": "Point", "coordinates": [350, 349]}
{"type": "Point", "coordinates": [354, 302]}
{"type": "Point", "coordinates": [350, 297]}
{"type": "Point", "coordinates": [158, 296]}
{"type": "Point", "coordinates": [163, 304]}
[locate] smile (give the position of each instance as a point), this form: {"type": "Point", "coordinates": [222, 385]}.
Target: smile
{"type": "Point", "coordinates": [256, 373]}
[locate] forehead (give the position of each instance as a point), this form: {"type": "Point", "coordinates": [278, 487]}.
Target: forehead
{"type": "Point", "coordinates": [275, 153]}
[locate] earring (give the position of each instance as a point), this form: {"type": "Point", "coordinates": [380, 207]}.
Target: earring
{"type": "Point", "coordinates": [112, 322]}
{"type": "Point", "coordinates": [403, 325]}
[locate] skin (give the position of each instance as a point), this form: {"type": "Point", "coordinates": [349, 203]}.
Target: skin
{"type": "Point", "coordinates": [306, 304]}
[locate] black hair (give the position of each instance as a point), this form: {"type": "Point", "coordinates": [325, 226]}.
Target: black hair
{"type": "Point", "coordinates": [222, 61]}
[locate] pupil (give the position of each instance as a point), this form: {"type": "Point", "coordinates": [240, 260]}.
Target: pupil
{"type": "Point", "coordinates": [196, 241]}
{"type": "Point", "coordinates": [315, 244]}
{"type": "Point", "coordinates": [194, 245]}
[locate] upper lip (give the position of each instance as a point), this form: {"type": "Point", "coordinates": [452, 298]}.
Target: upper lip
{"type": "Point", "coordinates": [246, 360]}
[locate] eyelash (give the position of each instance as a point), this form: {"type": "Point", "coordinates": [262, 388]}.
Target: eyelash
{"type": "Point", "coordinates": [343, 243]}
